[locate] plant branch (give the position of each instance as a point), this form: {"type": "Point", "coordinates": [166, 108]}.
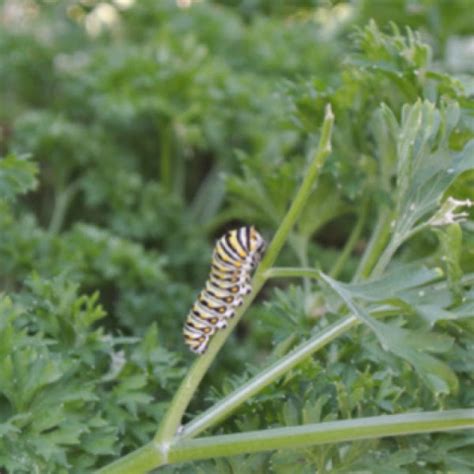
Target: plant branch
{"type": "Point", "coordinates": [393, 246]}
{"type": "Point", "coordinates": [172, 420]}
{"type": "Point", "coordinates": [322, 433]}
{"type": "Point", "coordinates": [149, 457]}
{"type": "Point", "coordinates": [385, 258]}
{"type": "Point", "coordinates": [140, 461]}
{"type": "Point", "coordinates": [292, 272]}
{"type": "Point", "coordinates": [311, 176]}
{"type": "Point", "coordinates": [227, 405]}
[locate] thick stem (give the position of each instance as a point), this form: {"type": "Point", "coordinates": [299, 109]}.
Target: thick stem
{"type": "Point", "coordinates": [149, 457]}
{"type": "Point", "coordinates": [140, 461]}
{"type": "Point", "coordinates": [322, 433]}
{"type": "Point", "coordinates": [292, 272]}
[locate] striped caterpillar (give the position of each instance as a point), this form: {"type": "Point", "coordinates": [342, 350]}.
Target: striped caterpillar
{"type": "Point", "coordinates": [235, 256]}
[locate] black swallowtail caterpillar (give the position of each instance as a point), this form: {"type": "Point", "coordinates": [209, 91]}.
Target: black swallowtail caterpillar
{"type": "Point", "coordinates": [235, 256]}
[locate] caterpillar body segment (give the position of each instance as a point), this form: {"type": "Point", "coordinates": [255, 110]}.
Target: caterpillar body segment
{"type": "Point", "coordinates": [196, 340]}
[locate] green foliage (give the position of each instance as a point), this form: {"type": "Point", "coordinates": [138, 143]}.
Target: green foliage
{"type": "Point", "coordinates": [17, 176]}
{"type": "Point", "coordinates": [128, 147]}
{"type": "Point", "coordinates": [69, 390]}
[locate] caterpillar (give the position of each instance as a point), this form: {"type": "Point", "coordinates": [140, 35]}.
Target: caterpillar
{"type": "Point", "coordinates": [236, 254]}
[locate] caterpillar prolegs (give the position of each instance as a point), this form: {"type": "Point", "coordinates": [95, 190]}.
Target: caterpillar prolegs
{"type": "Point", "coordinates": [235, 256]}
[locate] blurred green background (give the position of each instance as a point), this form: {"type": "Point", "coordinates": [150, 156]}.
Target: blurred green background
{"type": "Point", "coordinates": [157, 125]}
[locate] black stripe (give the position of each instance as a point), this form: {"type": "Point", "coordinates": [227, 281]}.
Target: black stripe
{"type": "Point", "coordinates": [223, 286]}
{"type": "Point", "coordinates": [221, 247]}
{"type": "Point", "coordinates": [217, 256]}
{"type": "Point", "coordinates": [222, 276]}
{"type": "Point", "coordinates": [188, 327]}
{"type": "Point", "coordinates": [225, 272]}
{"type": "Point", "coordinates": [230, 281]}
{"type": "Point", "coordinates": [208, 330]}
{"type": "Point", "coordinates": [214, 285]}
{"type": "Point", "coordinates": [200, 318]}
{"type": "Point", "coordinates": [240, 236]}
{"type": "Point", "coordinates": [215, 298]}
{"type": "Point", "coordinates": [210, 306]}
{"type": "Point", "coordinates": [200, 313]}
{"type": "Point", "coordinates": [219, 266]}
{"type": "Point", "coordinates": [230, 252]}
{"type": "Point", "coordinates": [231, 246]}
{"type": "Point", "coordinates": [205, 309]}
{"type": "Point", "coordinates": [227, 299]}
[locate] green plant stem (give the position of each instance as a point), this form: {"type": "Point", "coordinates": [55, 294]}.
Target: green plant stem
{"type": "Point", "coordinates": [322, 433]}
{"type": "Point", "coordinates": [312, 173]}
{"type": "Point", "coordinates": [385, 258]}
{"type": "Point", "coordinates": [376, 246]}
{"type": "Point", "coordinates": [292, 272]}
{"type": "Point", "coordinates": [140, 461]}
{"type": "Point", "coordinates": [62, 200]}
{"type": "Point", "coordinates": [351, 242]}
{"type": "Point", "coordinates": [172, 419]}
{"type": "Point", "coordinates": [393, 246]}
{"type": "Point", "coordinates": [227, 405]}
{"type": "Point", "coordinates": [150, 456]}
